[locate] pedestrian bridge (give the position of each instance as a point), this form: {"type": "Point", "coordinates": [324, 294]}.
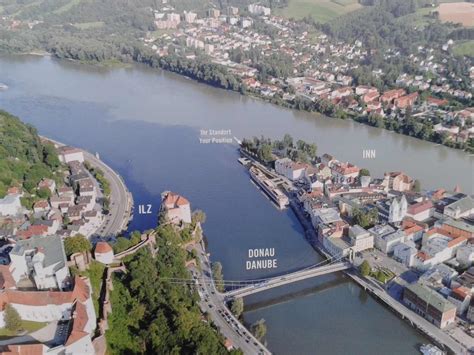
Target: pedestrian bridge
{"type": "Point", "coordinates": [255, 286]}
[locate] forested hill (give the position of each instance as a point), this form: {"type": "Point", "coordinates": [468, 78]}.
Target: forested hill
{"type": "Point", "coordinates": [24, 159]}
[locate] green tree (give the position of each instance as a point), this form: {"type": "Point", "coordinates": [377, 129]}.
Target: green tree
{"type": "Point", "coordinates": [288, 141]}
{"type": "Point", "coordinates": [199, 216]}
{"type": "Point", "coordinates": [77, 244]}
{"type": "Point", "coordinates": [218, 276]}
{"type": "Point", "coordinates": [364, 172]}
{"type": "Point", "coordinates": [43, 193]}
{"type": "Point", "coordinates": [259, 329]}
{"type": "Point", "coordinates": [12, 319]}
{"type": "Point", "coordinates": [237, 306]}
{"type": "Point", "coordinates": [417, 186]}
{"type": "Point", "coordinates": [365, 268]}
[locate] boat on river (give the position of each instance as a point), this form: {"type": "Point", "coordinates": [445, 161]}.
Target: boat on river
{"type": "Point", "coordinates": [269, 187]}
{"type": "Point", "coordinates": [3, 86]}
{"type": "Point", "coordinates": [430, 349]}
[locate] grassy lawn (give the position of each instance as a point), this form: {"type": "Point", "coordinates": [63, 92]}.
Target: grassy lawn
{"type": "Point", "coordinates": [320, 10]}
{"type": "Point", "coordinates": [420, 18]}
{"type": "Point", "coordinates": [88, 25]}
{"type": "Point", "coordinates": [27, 326]}
{"type": "Point", "coordinates": [465, 48]}
{"type": "Point", "coordinates": [66, 7]}
{"type": "Point", "coordinates": [94, 273]}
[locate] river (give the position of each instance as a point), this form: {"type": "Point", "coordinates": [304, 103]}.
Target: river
{"type": "Point", "coordinates": [146, 124]}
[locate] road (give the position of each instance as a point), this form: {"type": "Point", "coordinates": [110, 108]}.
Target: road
{"type": "Point", "coordinates": [289, 278]}
{"type": "Point", "coordinates": [212, 302]}
{"type": "Point", "coordinates": [428, 328]}
{"type": "Point", "coordinates": [120, 199]}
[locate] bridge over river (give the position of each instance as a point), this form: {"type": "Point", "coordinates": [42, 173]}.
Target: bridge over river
{"type": "Point", "coordinates": [266, 284]}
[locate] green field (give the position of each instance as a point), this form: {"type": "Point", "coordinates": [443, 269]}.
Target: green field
{"type": "Point", "coordinates": [27, 326]}
{"type": "Point", "coordinates": [320, 10]}
{"type": "Point", "coordinates": [67, 7]}
{"type": "Point", "coordinates": [89, 25]}
{"type": "Point", "coordinates": [465, 48]}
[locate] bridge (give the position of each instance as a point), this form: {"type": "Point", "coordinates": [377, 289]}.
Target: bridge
{"type": "Point", "coordinates": [242, 288]}
{"type": "Point", "coordinates": [256, 286]}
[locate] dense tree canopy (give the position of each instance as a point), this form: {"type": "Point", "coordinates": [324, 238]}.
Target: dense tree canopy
{"type": "Point", "coordinates": [24, 159]}
{"type": "Point", "coordinates": [153, 315]}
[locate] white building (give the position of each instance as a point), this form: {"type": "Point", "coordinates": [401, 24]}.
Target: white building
{"type": "Point", "coordinates": [41, 258]}
{"type": "Point", "coordinates": [386, 243]}
{"type": "Point", "coordinates": [10, 205]}
{"type": "Point", "coordinates": [465, 255]}
{"type": "Point", "coordinates": [360, 238]}
{"type": "Point", "coordinates": [75, 307]}
{"type": "Point", "coordinates": [256, 9]}
{"type": "Point", "coordinates": [290, 169]}
{"type": "Point", "coordinates": [177, 209]}
{"type": "Point", "coordinates": [324, 216]}
{"type": "Point", "coordinates": [405, 253]}
{"type": "Point", "coordinates": [67, 154]}
{"type": "Point", "coordinates": [398, 209]}
{"type": "Point", "coordinates": [437, 247]}
{"type": "Point", "coordinates": [104, 253]}
{"type": "Point", "coordinates": [461, 208]}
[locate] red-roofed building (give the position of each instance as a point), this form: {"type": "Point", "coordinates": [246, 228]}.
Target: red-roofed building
{"type": "Point", "coordinates": [39, 230]}
{"type": "Point", "coordinates": [104, 253]}
{"type": "Point", "coordinates": [421, 211]}
{"type": "Point", "coordinates": [406, 101]}
{"type": "Point", "coordinates": [389, 96]}
{"type": "Point", "coordinates": [177, 209]}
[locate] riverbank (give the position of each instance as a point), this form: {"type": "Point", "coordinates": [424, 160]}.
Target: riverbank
{"type": "Point", "coordinates": [120, 200]}
{"type": "Point", "coordinates": [235, 85]}
{"type": "Point", "coordinates": [437, 335]}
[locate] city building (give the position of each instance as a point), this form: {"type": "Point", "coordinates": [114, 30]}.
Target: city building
{"type": "Point", "coordinates": [437, 247]}
{"type": "Point", "coordinates": [405, 253]}
{"type": "Point", "coordinates": [72, 310]}
{"type": "Point", "coordinates": [461, 208]}
{"type": "Point", "coordinates": [387, 242]}
{"type": "Point", "coordinates": [420, 211]}
{"type": "Point", "coordinates": [398, 181]}
{"type": "Point", "coordinates": [360, 239]}
{"type": "Point", "coordinates": [290, 169]}
{"type": "Point", "coordinates": [398, 209]}
{"type": "Point", "coordinates": [429, 304]}
{"type": "Point", "coordinates": [42, 259]}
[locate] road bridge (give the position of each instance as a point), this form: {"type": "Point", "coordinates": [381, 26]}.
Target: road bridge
{"type": "Point", "coordinates": [263, 285]}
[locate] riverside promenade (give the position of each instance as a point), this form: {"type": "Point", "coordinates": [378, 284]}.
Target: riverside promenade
{"type": "Point", "coordinates": [121, 200]}
{"type": "Point", "coordinates": [439, 336]}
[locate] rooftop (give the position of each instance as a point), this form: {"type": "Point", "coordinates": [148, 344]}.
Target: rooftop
{"type": "Point", "coordinates": [431, 297]}
{"type": "Point", "coordinates": [51, 246]}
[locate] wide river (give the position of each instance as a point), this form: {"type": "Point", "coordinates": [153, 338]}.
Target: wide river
{"type": "Point", "coordinates": [146, 125]}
